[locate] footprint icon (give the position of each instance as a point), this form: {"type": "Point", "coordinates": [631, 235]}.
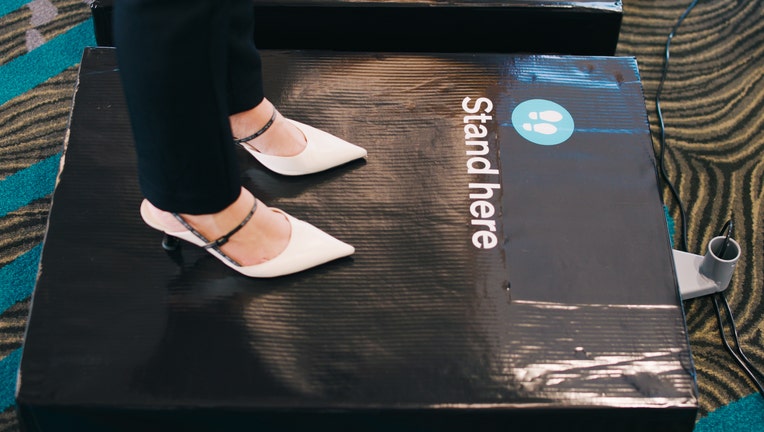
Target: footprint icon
{"type": "Point", "coordinates": [543, 122]}
{"type": "Point", "coordinates": [542, 128]}
{"type": "Point", "coordinates": [550, 116]}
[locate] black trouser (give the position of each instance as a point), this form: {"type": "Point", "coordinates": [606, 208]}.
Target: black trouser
{"type": "Point", "coordinates": [186, 65]}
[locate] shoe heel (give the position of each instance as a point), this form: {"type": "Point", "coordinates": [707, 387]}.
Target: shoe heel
{"type": "Point", "coordinates": [170, 243]}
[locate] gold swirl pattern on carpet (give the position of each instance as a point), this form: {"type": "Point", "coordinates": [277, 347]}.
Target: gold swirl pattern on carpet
{"type": "Point", "coordinates": [712, 102]}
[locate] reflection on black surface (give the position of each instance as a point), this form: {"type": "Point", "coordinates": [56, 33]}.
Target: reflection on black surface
{"type": "Point", "coordinates": [296, 337]}
{"type": "Point", "coordinates": [203, 353]}
{"type": "Point", "coordinates": [369, 347]}
{"type": "Point", "coordinates": [269, 186]}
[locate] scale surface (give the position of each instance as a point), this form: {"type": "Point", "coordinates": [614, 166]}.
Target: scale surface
{"type": "Point", "coordinates": [569, 318]}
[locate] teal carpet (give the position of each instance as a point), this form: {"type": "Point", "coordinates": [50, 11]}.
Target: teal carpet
{"type": "Point", "coordinates": [41, 43]}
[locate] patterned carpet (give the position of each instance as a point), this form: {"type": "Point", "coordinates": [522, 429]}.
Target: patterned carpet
{"type": "Point", "coordinates": [711, 102]}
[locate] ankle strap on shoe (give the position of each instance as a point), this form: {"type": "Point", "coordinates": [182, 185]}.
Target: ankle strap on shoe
{"type": "Point", "coordinates": [215, 244]}
{"type": "Point", "coordinates": [241, 141]}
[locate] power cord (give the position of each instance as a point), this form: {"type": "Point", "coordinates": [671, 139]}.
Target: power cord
{"type": "Point", "coordinates": [737, 353]}
{"type": "Point", "coordinates": [663, 144]}
{"type": "Point", "coordinates": [739, 356]}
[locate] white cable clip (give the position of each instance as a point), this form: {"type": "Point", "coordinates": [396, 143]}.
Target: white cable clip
{"type": "Point", "coordinates": [702, 275]}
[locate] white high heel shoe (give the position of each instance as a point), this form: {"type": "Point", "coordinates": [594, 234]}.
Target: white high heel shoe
{"type": "Point", "coordinates": [308, 246]}
{"type": "Point", "coordinates": [322, 151]}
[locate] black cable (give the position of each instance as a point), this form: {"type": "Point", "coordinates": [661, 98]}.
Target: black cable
{"type": "Point", "coordinates": [739, 346]}
{"type": "Point", "coordinates": [663, 144]}
{"type": "Point", "coordinates": [740, 356]}
{"type": "Point", "coordinates": [728, 227]}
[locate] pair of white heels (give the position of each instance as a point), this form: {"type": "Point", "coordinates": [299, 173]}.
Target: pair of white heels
{"type": "Point", "coordinates": [308, 246]}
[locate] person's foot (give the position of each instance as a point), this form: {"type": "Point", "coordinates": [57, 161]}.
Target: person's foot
{"type": "Point", "coordinates": [282, 137]}
{"type": "Point", "coordinates": [261, 239]}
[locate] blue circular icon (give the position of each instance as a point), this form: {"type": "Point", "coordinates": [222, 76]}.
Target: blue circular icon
{"type": "Point", "coordinates": [542, 122]}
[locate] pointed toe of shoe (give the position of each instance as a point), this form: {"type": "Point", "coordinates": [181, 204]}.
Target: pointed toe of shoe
{"type": "Point", "coordinates": [322, 152]}
{"type": "Point", "coordinates": [308, 247]}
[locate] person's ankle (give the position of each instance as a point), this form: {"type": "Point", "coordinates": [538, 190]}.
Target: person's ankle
{"type": "Point", "coordinates": [282, 137]}
{"type": "Point", "coordinates": [247, 122]}
{"type": "Point", "coordinates": [223, 221]}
